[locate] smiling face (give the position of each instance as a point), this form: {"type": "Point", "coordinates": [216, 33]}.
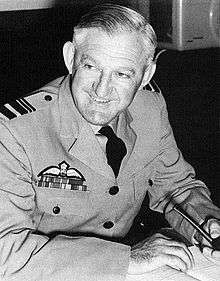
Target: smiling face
{"type": "Point", "coordinates": [107, 73]}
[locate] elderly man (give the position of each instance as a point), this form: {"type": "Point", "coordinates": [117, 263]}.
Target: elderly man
{"type": "Point", "coordinates": [74, 174]}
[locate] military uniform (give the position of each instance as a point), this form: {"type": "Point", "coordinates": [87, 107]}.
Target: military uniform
{"type": "Point", "coordinates": [59, 198]}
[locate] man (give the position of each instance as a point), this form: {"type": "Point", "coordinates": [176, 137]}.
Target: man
{"type": "Point", "coordinates": [63, 200]}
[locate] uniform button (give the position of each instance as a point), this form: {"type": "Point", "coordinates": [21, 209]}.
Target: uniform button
{"type": "Point", "coordinates": [113, 190]}
{"type": "Point", "coordinates": [108, 224]}
{"type": "Point", "coordinates": [56, 210]}
{"type": "Point", "coordinates": [150, 182]}
{"type": "Point", "coordinates": [48, 98]}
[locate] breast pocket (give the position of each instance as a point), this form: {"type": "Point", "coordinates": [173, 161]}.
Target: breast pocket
{"type": "Point", "coordinates": [62, 202]}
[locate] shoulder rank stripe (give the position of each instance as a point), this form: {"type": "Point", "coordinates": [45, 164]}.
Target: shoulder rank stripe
{"type": "Point", "coordinates": [18, 107]}
{"type": "Point", "coordinates": [27, 105]}
{"type": "Point", "coordinates": [6, 112]}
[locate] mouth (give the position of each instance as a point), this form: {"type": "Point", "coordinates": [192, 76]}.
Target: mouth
{"type": "Point", "coordinates": [99, 100]}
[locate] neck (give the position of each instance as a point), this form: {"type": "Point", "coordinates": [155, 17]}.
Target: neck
{"type": "Point", "coordinates": [112, 124]}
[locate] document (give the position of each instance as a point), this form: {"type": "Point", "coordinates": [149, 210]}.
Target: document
{"type": "Point", "coordinates": [204, 270]}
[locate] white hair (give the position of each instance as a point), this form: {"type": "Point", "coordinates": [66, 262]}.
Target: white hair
{"type": "Point", "coordinates": [112, 18]}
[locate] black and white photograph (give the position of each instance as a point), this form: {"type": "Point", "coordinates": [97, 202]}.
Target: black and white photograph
{"type": "Point", "coordinates": [109, 140]}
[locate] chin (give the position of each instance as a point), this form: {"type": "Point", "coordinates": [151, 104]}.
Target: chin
{"type": "Point", "coordinates": [98, 119]}
{"type": "Point", "coordinates": [99, 122]}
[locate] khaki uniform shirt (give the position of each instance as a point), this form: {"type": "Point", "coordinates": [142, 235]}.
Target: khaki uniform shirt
{"type": "Point", "coordinates": [56, 200]}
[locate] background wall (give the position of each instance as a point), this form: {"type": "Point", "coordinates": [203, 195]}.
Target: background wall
{"type": "Point", "coordinates": [6, 5]}
{"type": "Point", "coordinates": [31, 55]}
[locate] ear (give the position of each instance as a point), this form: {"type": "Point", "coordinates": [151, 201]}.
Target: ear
{"type": "Point", "coordinates": [148, 74]}
{"type": "Point", "coordinates": [68, 55]}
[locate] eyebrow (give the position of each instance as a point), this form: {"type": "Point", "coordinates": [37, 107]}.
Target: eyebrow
{"type": "Point", "coordinates": [133, 72]}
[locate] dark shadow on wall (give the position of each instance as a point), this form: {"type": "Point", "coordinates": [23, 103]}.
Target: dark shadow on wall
{"type": "Point", "coordinates": [190, 83]}
{"type": "Point", "coordinates": [31, 56]}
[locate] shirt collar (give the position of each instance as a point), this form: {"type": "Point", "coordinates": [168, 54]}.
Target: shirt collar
{"type": "Point", "coordinates": [112, 124]}
{"type": "Point", "coordinates": [70, 119]}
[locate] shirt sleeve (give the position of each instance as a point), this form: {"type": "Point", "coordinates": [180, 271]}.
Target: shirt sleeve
{"type": "Point", "coordinates": [28, 255]}
{"type": "Point", "coordinates": [175, 183]}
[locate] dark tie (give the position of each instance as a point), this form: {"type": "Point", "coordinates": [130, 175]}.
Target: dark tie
{"type": "Point", "coordinates": [115, 148]}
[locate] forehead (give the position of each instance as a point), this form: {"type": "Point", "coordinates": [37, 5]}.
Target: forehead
{"type": "Point", "coordinates": [120, 45]}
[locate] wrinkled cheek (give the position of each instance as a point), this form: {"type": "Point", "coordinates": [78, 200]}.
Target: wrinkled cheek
{"type": "Point", "coordinates": [82, 81]}
{"type": "Point", "coordinates": [127, 97]}
{"type": "Point", "coordinates": [87, 85]}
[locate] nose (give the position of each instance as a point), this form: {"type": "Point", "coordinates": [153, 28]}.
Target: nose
{"type": "Point", "coordinates": [102, 86]}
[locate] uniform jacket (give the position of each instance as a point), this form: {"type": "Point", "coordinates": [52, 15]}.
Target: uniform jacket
{"type": "Point", "coordinates": [56, 204]}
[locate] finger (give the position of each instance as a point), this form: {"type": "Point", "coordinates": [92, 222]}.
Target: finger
{"type": "Point", "coordinates": [181, 250]}
{"type": "Point", "coordinates": [189, 254]}
{"type": "Point", "coordinates": [174, 262]}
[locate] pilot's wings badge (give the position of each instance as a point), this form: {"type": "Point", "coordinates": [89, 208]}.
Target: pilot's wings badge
{"type": "Point", "coordinates": [63, 177]}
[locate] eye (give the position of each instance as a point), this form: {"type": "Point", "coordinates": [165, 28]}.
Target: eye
{"type": "Point", "coordinates": [123, 75]}
{"type": "Point", "coordinates": [89, 66]}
